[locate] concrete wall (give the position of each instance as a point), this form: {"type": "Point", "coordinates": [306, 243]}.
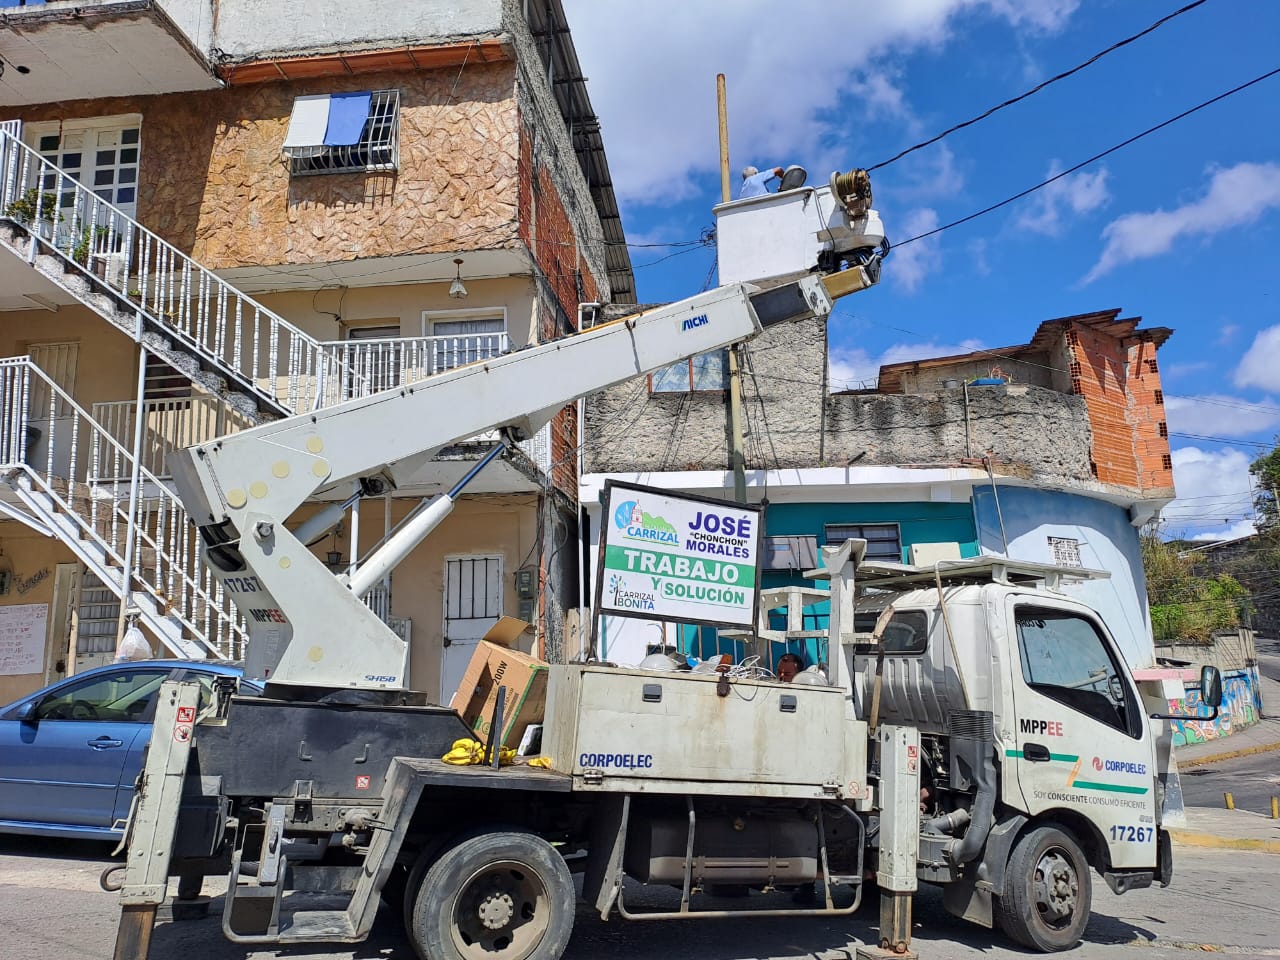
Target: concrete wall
{"type": "Point", "coordinates": [1031, 369]}
{"type": "Point", "coordinates": [108, 360]}
{"type": "Point", "coordinates": [502, 525]}
{"type": "Point", "coordinates": [629, 429]}
{"type": "Point", "coordinates": [34, 559]}
{"type": "Point", "coordinates": [212, 181]}
{"type": "Point", "coordinates": [248, 29]}
{"type": "Point", "coordinates": [327, 314]}
{"type": "Point", "coordinates": [1107, 542]}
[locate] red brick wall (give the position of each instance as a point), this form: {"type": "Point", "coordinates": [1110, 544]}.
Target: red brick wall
{"type": "Point", "coordinates": [1122, 393]}
{"type": "Point", "coordinates": [548, 231]}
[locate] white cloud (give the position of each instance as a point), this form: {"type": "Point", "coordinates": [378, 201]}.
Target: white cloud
{"type": "Point", "coordinates": [787, 73]}
{"type": "Point", "coordinates": [1214, 500]}
{"type": "Point", "coordinates": [907, 266]}
{"type": "Point", "coordinates": [1218, 415]}
{"type": "Point", "coordinates": [1236, 196]}
{"type": "Point", "coordinates": [1260, 365]}
{"type": "Point", "coordinates": [1079, 193]}
{"type": "Point", "coordinates": [1227, 333]}
{"type": "Point", "coordinates": [852, 368]}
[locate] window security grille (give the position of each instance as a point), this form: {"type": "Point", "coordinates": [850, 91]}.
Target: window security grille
{"type": "Point", "coordinates": [377, 149]}
{"type": "Point", "coordinates": [884, 541]}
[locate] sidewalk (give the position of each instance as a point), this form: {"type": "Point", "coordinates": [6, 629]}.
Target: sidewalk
{"type": "Point", "coordinates": [1233, 829]}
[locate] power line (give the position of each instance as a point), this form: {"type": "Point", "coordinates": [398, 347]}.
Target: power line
{"type": "Point", "coordinates": [1096, 157]}
{"type": "Point", "coordinates": [1037, 88]}
{"type": "Point", "coordinates": [1196, 436]}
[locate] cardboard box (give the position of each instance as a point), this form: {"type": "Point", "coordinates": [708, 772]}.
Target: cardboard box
{"type": "Point", "coordinates": [493, 666]}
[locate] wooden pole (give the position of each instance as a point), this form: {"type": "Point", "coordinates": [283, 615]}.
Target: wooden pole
{"type": "Point", "coordinates": [737, 460]}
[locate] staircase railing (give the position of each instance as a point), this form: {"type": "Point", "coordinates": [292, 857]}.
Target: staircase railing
{"type": "Point", "coordinates": [68, 467]}
{"type": "Point", "coordinates": [264, 353]}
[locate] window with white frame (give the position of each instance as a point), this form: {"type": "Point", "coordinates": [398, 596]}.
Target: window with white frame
{"type": "Point", "coordinates": [458, 337]}
{"type": "Point", "coordinates": [344, 133]}
{"type": "Point", "coordinates": [102, 153]}
{"type": "Point", "coordinates": [884, 540]}
{"type": "Point", "coordinates": [706, 371]}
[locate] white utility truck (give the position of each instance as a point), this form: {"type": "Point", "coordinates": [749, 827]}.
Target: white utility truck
{"type": "Point", "coordinates": [975, 732]}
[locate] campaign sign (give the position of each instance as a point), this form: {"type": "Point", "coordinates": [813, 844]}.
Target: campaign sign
{"type": "Point", "coordinates": [667, 556]}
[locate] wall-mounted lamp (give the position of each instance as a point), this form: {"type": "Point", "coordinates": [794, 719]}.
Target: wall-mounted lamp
{"type": "Point", "coordinates": [16, 66]}
{"type": "Point", "coordinates": [458, 289]}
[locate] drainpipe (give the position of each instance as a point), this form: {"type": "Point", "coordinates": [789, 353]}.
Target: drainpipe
{"type": "Point", "coordinates": [135, 477]}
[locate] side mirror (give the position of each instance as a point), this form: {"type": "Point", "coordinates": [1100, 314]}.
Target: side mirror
{"type": "Point", "coordinates": [1210, 696]}
{"type": "Point", "coordinates": [1211, 687]}
{"type": "Point", "coordinates": [27, 712]}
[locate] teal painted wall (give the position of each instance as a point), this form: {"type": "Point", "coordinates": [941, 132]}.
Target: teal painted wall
{"type": "Point", "coordinates": [917, 523]}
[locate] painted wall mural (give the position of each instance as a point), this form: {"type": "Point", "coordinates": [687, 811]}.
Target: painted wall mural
{"type": "Point", "coordinates": [1241, 707]}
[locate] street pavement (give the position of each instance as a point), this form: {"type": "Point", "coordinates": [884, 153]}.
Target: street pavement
{"type": "Point", "coordinates": [1252, 780]}
{"type": "Point", "coordinates": [1221, 901]}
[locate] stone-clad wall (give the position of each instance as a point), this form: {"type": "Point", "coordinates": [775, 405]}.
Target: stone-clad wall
{"type": "Point", "coordinates": [1032, 431]}
{"type": "Point", "coordinates": [213, 182]}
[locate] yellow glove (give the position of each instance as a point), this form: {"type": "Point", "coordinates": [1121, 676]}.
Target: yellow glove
{"type": "Point", "coordinates": [543, 762]}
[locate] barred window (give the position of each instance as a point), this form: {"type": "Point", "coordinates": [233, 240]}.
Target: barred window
{"type": "Point", "coordinates": [325, 136]}
{"type": "Point", "coordinates": [884, 541]}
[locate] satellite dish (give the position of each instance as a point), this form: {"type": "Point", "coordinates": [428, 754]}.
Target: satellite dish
{"type": "Point", "coordinates": [793, 177]}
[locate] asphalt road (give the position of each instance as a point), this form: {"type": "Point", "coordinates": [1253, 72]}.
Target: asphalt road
{"type": "Point", "coordinates": [1222, 901]}
{"type": "Point", "coordinates": [1252, 780]}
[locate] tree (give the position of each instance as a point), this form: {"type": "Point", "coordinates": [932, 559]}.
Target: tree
{"type": "Point", "coordinates": [1266, 480]}
{"type": "Point", "coordinates": [1187, 604]}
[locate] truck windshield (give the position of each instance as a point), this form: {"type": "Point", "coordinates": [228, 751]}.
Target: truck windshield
{"type": "Point", "coordinates": [1064, 658]}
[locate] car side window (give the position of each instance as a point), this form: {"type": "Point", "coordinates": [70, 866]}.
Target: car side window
{"type": "Point", "coordinates": [122, 696]}
{"type": "Point", "coordinates": [1066, 659]}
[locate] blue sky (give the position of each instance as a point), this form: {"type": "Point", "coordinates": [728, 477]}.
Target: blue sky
{"type": "Point", "coordinates": [1181, 228]}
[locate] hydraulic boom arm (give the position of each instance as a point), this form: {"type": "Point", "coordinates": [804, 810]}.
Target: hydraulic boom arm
{"type": "Point", "coordinates": [309, 628]}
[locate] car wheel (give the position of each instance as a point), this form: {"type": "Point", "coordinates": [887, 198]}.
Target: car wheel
{"type": "Point", "coordinates": [494, 896]}
{"type": "Point", "coordinates": [1047, 891]}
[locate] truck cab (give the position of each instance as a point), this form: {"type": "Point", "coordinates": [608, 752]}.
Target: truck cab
{"type": "Point", "coordinates": [1037, 750]}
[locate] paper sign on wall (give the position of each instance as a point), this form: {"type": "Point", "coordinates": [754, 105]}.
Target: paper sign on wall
{"type": "Point", "coordinates": [668, 556]}
{"type": "Point", "coordinates": [22, 636]}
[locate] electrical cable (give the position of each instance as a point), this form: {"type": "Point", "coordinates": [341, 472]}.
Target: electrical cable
{"type": "Point", "coordinates": [1096, 157]}
{"type": "Point", "coordinates": [1038, 87]}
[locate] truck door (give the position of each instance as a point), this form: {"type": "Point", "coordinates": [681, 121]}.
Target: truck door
{"type": "Point", "coordinates": [1081, 739]}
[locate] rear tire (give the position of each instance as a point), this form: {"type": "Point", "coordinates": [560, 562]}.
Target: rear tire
{"type": "Point", "coordinates": [494, 896]}
{"type": "Point", "coordinates": [1047, 891]}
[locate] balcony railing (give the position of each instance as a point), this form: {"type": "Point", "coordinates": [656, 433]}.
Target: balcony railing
{"type": "Point", "coordinates": [167, 426]}
{"type": "Point", "coordinates": [375, 365]}
{"type": "Point", "coordinates": [260, 351]}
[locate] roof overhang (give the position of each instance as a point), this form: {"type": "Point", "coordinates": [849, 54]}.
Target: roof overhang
{"type": "Point", "coordinates": [346, 63]}
{"type": "Point", "coordinates": [498, 262]}
{"type": "Point", "coordinates": [113, 48]}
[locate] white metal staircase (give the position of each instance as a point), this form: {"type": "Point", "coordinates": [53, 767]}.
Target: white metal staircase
{"type": "Point", "coordinates": [71, 476]}
{"type": "Point", "coordinates": [226, 342]}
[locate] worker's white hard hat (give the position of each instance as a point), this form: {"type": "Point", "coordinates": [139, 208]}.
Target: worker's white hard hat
{"type": "Point", "coordinates": [749, 171]}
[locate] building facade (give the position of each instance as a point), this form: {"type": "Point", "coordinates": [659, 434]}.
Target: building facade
{"type": "Point", "coordinates": [221, 213]}
{"type": "Point", "coordinates": [1053, 451]}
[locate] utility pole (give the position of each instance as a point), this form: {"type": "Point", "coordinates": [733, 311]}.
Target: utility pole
{"type": "Point", "coordinates": [737, 461]}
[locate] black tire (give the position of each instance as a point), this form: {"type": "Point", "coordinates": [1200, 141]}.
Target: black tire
{"type": "Point", "coordinates": [1047, 891]}
{"type": "Point", "coordinates": [393, 891]}
{"type": "Point", "coordinates": [494, 896]}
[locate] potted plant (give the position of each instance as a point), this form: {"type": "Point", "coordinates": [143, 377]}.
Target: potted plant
{"type": "Point", "coordinates": [32, 207]}
{"type": "Point", "coordinates": [85, 245]}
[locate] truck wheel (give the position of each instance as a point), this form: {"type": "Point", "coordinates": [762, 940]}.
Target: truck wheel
{"type": "Point", "coordinates": [496, 896]}
{"type": "Point", "coordinates": [1047, 891]}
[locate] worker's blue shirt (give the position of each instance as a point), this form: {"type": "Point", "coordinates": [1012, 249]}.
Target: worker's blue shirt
{"type": "Point", "coordinates": [755, 186]}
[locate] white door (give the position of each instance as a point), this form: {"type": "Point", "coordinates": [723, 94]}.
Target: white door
{"type": "Point", "coordinates": [472, 604]}
{"type": "Point", "coordinates": [1083, 739]}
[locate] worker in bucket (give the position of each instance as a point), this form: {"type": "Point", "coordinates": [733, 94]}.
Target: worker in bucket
{"type": "Point", "coordinates": [753, 181]}
{"type": "Point", "coordinates": [789, 664]}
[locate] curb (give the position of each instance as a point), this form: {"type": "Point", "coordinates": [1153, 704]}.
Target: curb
{"type": "Point", "coordinates": [1192, 838]}
{"type": "Point", "coordinates": [1228, 755]}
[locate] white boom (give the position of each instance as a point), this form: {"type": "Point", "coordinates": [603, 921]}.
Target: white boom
{"type": "Point", "coordinates": [308, 627]}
